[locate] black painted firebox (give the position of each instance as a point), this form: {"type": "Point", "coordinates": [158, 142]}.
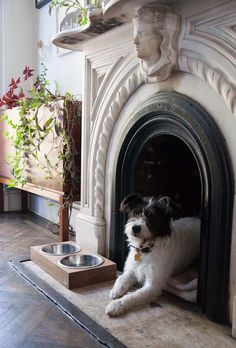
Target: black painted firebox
{"type": "Point", "coordinates": [175, 148]}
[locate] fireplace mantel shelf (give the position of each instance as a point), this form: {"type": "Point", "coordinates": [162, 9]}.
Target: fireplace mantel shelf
{"type": "Point", "coordinates": [115, 13]}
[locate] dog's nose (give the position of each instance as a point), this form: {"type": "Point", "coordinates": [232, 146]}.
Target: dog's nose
{"type": "Point", "coordinates": [136, 229]}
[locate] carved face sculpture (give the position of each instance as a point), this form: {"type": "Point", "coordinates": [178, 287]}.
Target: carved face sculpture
{"type": "Point", "coordinates": [147, 42]}
{"type": "Point", "coordinates": [155, 35]}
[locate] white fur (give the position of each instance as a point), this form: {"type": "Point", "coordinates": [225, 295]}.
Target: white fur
{"type": "Point", "coordinates": [169, 255]}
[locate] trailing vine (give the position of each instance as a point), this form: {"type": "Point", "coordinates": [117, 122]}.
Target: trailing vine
{"type": "Point", "coordinates": [30, 131]}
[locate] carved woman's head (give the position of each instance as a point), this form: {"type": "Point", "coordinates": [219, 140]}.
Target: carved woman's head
{"type": "Point", "coordinates": [154, 31]}
{"type": "Point", "coordinates": [149, 30]}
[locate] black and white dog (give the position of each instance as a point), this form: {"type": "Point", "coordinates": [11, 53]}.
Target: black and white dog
{"type": "Point", "coordinates": [159, 247]}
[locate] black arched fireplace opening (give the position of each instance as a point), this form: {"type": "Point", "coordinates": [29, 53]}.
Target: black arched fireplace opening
{"type": "Point", "coordinates": [175, 148]}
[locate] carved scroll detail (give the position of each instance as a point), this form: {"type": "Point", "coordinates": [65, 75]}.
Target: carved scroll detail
{"type": "Point", "coordinates": [211, 76]}
{"type": "Point", "coordinates": [134, 81]}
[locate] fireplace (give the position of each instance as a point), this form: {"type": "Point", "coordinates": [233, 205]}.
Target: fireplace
{"type": "Point", "coordinates": [166, 129]}
{"type": "Point", "coordinates": [176, 149]}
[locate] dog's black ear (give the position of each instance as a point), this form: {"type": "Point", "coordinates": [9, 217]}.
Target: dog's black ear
{"type": "Point", "coordinates": [169, 207]}
{"type": "Point", "coordinates": [158, 220]}
{"type": "Point", "coordinates": [132, 204]}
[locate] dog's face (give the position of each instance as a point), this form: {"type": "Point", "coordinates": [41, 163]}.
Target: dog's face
{"type": "Point", "coordinates": [136, 229]}
{"type": "Point", "coordinates": [148, 217]}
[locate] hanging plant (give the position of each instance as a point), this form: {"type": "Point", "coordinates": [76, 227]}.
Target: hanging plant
{"type": "Point", "coordinates": [43, 117]}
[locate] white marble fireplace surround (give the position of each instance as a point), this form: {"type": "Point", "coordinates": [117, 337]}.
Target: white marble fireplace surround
{"type": "Point", "coordinates": [114, 88]}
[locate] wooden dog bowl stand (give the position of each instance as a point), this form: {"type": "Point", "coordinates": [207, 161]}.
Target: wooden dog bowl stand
{"type": "Point", "coordinates": [73, 278]}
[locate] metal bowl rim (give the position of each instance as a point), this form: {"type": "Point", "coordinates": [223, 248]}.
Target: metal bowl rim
{"type": "Point", "coordinates": [83, 267]}
{"type": "Point", "coordinates": [61, 254]}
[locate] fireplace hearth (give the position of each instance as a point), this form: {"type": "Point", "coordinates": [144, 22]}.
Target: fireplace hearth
{"type": "Point", "coordinates": [173, 109]}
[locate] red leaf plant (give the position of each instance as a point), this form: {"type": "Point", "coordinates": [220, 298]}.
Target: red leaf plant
{"type": "Point", "coordinates": [15, 92]}
{"type": "Point", "coordinates": [27, 72]}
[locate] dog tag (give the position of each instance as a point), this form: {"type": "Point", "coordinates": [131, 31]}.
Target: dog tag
{"type": "Point", "coordinates": [137, 257]}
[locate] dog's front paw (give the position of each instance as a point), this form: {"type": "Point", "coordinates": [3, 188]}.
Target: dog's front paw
{"type": "Point", "coordinates": [116, 293]}
{"type": "Point", "coordinates": [115, 308]}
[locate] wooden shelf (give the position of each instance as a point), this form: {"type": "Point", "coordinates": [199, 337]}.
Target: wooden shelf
{"type": "Point", "coordinates": [40, 191]}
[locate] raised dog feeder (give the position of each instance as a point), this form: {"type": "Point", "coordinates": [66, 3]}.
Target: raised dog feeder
{"type": "Point", "coordinates": [80, 269]}
{"type": "Point", "coordinates": [61, 249]}
{"type": "Point", "coordinates": [81, 261]}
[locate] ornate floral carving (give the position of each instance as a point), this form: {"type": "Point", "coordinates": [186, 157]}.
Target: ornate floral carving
{"type": "Point", "coordinates": [134, 81]}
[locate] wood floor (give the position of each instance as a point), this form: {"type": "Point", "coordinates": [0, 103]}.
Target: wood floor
{"type": "Point", "coordinates": [27, 318]}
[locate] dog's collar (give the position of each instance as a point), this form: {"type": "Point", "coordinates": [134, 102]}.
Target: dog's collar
{"type": "Point", "coordinates": [141, 250]}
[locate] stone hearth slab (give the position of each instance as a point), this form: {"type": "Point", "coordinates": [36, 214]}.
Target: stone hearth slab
{"type": "Point", "coordinates": [168, 323]}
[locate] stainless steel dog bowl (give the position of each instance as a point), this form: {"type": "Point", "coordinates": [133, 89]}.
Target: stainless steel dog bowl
{"type": "Point", "coordinates": [81, 261]}
{"type": "Point", "coordinates": [61, 249]}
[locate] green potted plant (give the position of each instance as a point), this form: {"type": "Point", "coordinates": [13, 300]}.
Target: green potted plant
{"type": "Point", "coordinates": [82, 14]}
{"type": "Point", "coordinates": [42, 131]}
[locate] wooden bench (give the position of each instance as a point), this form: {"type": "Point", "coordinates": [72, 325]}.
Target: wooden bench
{"type": "Point", "coordinates": [53, 195]}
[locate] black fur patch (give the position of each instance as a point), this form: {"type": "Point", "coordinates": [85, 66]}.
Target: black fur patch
{"type": "Point", "coordinates": [133, 204]}
{"type": "Point", "coordinates": [158, 222]}
{"type": "Point", "coordinates": [170, 208]}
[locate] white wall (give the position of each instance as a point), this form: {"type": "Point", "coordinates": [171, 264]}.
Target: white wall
{"type": "Point", "coordinates": [18, 48]}
{"type": "Point", "coordinates": [17, 37]}
{"type": "Point", "coordinates": [64, 68]}
{"type": "Point", "coordinates": [22, 26]}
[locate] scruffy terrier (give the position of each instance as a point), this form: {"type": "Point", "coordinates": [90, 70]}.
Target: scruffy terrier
{"type": "Point", "coordinates": [159, 247]}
